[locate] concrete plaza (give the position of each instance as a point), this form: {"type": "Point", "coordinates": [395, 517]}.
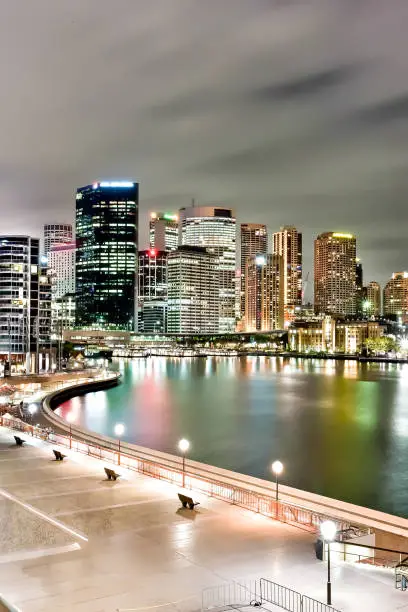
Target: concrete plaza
{"type": "Point", "coordinates": [71, 540]}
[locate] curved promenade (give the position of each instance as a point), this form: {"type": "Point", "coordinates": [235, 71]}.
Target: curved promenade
{"type": "Point", "coordinates": [295, 507]}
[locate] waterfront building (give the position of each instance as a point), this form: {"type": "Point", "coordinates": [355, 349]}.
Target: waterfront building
{"type": "Point", "coordinates": [263, 293]}
{"type": "Point", "coordinates": [335, 274]}
{"type": "Point", "coordinates": [106, 255]}
{"type": "Point", "coordinates": [25, 305]}
{"type": "Point", "coordinates": [214, 228]}
{"type": "Point", "coordinates": [163, 231]}
{"type": "Point", "coordinates": [327, 334]}
{"type": "Point", "coordinates": [372, 303]}
{"type": "Point", "coordinates": [152, 291]}
{"type": "Point", "coordinates": [254, 241]}
{"type": "Point", "coordinates": [193, 291]}
{"type": "Point", "coordinates": [55, 234]}
{"type": "Point", "coordinates": [395, 302]}
{"type": "Point", "coordinates": [287, 244]}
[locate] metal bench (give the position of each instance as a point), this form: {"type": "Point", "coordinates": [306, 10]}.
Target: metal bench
{"type": "Point", "coordinates": [58, 455]}
{"type": "Point", "coordinates": [111, 474]}
{"type": "Point", "coordinates": [19, 441]}
{"type": "Point", "coordinates": [187, 501]}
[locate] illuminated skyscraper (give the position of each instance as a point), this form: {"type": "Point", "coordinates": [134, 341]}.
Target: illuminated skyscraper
{"type": "Point", "coordinates": [287, 243]}
{"type": "Point", "coordinates": [193, 291]}
{"type": "Point", "coordinates": [106, 256]}
{"type": "Point", "coordinates": [163, 231]}
{"type": "Point", "coordinates": [263, 293]}
{"type": "Point", "coordinates": [372, 306]}
{"type": "Point", "coordinates": [335, 274]}
{"type": "Point", "coordinates": [152, 291]}
{"type": "Point", "coordinates": [55, 234]}
{"type": "Point", "coordinates": [395, 302]}
{"type": "Point", "coordinates": [214, 228]}
{"type": "Point", "coordinates": [254, 241]}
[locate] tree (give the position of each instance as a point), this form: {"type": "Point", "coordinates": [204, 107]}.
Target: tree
{"type": "Point", "coordinates": [381, 345]}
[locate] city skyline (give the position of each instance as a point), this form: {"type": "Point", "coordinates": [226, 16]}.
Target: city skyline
{"type": "Point", "coordinates": [290, 113]}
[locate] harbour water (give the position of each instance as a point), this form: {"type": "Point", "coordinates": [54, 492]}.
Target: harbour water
{"type": "Point", "coordinates": [340, 428]}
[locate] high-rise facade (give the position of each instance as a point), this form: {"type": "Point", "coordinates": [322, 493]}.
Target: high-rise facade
{"type": "Point", "coordinates": [263, 293]}
{"type": "Point", "coordinates": [61, 262]}
{"type": "Point", "coordinates": [163, 231]}
{"type": "Point", "coordinates": [287, 244]}
{"type": "Point", "coordinates": [214, 228]}
{"type": "Point", "coordinates": [335, 274]}
{"type": "Point", "coordinates": [193, 291]}
{"type": "Point", "coordinates": [254, 241]}
{"type": "Point", "coordinates": [373, 299]}
{"type": "Point", "coordinates": [360, 289]}
{"type": "Point", "coordinates": [106, 255]}
{"type": "Point", "coordinates": [395, 301]}
{"type": "Point", "coordinates": [25, 303]}
{"type": "Point", "coordinates": [152, 291]}
{"type": "Point", "coordinates": [56, 233]}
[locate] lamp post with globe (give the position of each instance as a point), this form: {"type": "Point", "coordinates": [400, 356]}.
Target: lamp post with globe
{"type": "Point", "coordinates": [328, 530]}
{"type": "Point", "coordinates": [119, 431]}
{"type": "Point", "coordinates": [184, 445]}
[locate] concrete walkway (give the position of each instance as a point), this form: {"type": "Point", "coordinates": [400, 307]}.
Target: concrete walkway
{"type": "Point", "coordinates": [72, 541]}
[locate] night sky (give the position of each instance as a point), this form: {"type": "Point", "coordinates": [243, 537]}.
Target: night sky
{"type": "Point", "coordinates": [291, 112]}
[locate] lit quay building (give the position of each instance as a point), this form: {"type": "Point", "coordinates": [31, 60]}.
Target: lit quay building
{"type": "Point", "coordinates": [193, 291]}
{"type": "Point", "coordinates": [152, 291]}
{"type": "Point", "coordinates": [330, 335]}
{"type": "Point", "coordinates": [263, 293]}
{"type": "Point", "coordinates": [372, 304]}
{"type": "Point", "coordinates": [163, 231]}
{"type": "Point", "coordinates": [106, 255]}
{"type": "Point", "coordinates": [214, 228]}
{"type": "Point", "coordinates": [395, 301]}
{"type": "Point", "coordinates": [56, 233]}
{"type": "Point", "coordinates": [335, 274]}
{"type": "Point", "coordinates": [254, 241]}
{"type": "Point", "coordinates": [25, 305]}
{"type": "Point", "coordinates": [287, 244]}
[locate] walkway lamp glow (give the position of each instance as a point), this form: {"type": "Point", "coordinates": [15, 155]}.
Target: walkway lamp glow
{"type": "Point", "coordinates": [70, 418]}
{"type": "Point", "coordinates": [119, 431]}
{"type": "Point", "coordinates": [184, 445]}
{"type": "Point", "coordinates": [328, 530]}
{"type": "Point", "coordinates": [277, 469]}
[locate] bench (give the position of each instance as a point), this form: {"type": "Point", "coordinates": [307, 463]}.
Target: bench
{"type": "Point", "coordinates": [19, 441]}
{"type": "Point", "coordinates": [187, 501]}
{"type": "Point", "coordinates": [58, 455]}
{"type": "Point", "coordinates": [111, 474]}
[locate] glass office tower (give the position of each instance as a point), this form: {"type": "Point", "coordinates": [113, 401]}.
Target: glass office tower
{"type": "Point", "coordinates": [106, 255]}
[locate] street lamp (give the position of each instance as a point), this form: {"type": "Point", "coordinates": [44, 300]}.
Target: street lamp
{"type": "Point", "coordinates": [328, 530]}
{"type": "Point", "coordinates": [277, 469]}
{"type": "Point", "coordinates": [184, 445]}
{"type": "Point", "coordinates": [70, 418]}
{"type": "Point", "coordinates": [119, 431]}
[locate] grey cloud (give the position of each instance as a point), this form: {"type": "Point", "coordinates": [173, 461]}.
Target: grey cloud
{"type": "Point", "coordinates": [306, 85]}
{"type": "Point", "coordinates": [385, 112]}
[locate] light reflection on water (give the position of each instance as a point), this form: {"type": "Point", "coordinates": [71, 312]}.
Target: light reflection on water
{"type": "Point", "coordinates": [340, 428]}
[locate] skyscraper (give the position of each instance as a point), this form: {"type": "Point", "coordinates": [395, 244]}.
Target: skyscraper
{"type": "Point", "coordinates": [163, 231]}
{"type": "Point", "coordinates": [254, 241]}
{"type": "Point", "coordinates": [335, 274]}
{"type": "Point", "coordinates": [373, 299]}
{"type": "Point", "coordinates": [395, 303]}
{"type": "Point", "coordinates": [214, 228]}
{"type": "Point", "coordinates": [360, 290]}
{"type": "Point", "coordinates": [56, 233]}
{"type": "Point", "coordinates": [25, 302]}
{"type": "Point", "coordinates": [287, 243]}
{"type": "Point", "coordinates": [263, 293]}
{"type": "Point", "coordinates": [106, 255]}
{"type": "Point", "coordinates": [61, 261]}
{"type": "Point", "coordinates": [152, 291]}
{"type": "Point", "coordinates": [193, 291]}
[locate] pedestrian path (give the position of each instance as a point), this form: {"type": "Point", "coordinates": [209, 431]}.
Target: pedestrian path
{"type": "Point", "coordinates": [72, 541]}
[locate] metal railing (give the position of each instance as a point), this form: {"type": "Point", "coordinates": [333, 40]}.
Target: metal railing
{"type": "Point", "coordinates": [261, 593]}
